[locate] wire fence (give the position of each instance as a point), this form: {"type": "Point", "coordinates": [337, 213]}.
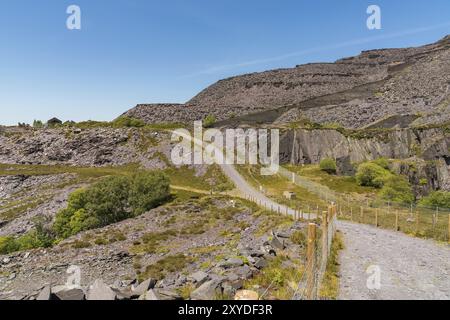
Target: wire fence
{"type": "Point", "coordinates": [321, 232]}
{"type": "Point", "coordinates": [320, 239]}
{"type": "Point", "coordinates": [417, 220]}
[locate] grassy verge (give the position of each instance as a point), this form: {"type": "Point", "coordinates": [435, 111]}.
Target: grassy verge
{"type": "Point", "coordinates": [83, 172]}
{"type": "Point", "coordinates": [329, 289]}
{"type": "Point", "coordinates": [274, 186]}
{"type": "Point", "coordinates": [213, 179]}
{"type": "Point", "coordinates": [280, 282]}
{"type": "Point", "coordinates": [336, 183]}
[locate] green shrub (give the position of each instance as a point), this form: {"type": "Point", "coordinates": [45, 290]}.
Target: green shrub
{"type": "Point", "coordinates": [111, 200]}
{"type": "Point", "coordinates": [328, 165]}
{"type": "Point", "coordinates": [148, 190]}
{"type": "Point", "coordinates": [436, 199]}
{"type": "Point", "coordinates": [8, 245]}
{"type": "Point", "coordinates": [37, 238]}
{"type": "Point", "coordinates": [38, 124]}
{"type": "Point", "coordinates": [397, 189]}
{"type": "Point", "coordinates": [128, 122]}
{"type": "Point", "coordinates": [372, 175]}
{"type": "Point", "coordinates": [209, 121]}
{"type": "Point", "coordinates": [382, 162]}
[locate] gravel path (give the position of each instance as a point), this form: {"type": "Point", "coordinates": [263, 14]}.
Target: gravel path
{"type": "Point", "coordinates": [410, 268]}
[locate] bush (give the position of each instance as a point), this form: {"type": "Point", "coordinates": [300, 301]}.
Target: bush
{"type": "Point", "coordinates": [209, 121]}
{"type": "Point", "coordinates": [372, 175]}
{"type": "Point", "coordinates": [148, 190]}
{"type": "Point", "coordinates": [111, 200]}
{"type": "Point", "coordinates": [437, 199]}
{"type": "Point", "coordinates": [382, 162]}
{"type": "Point", "coordinates": [41, 237]}
{"type": "Point", "coordinates": [397, 189]}
{"type": "Point", "coordinates": [128, 122]}
{"type": "Point", "coordinates": [38, 124]}
{"type": "Point", "coordinates": [328, 165]}
{"type": "Point", "coordinates": [8, 245]}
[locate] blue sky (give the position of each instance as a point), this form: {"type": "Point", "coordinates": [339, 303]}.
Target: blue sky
{"type": "Point", "coordinates": [137, 51]}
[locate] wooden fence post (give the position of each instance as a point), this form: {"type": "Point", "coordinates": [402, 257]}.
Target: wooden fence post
{"type": "Point", "coordinates": [417, 222]}
{"type": "Point", "coordinates": [325, 216]}
{"type": "Point", "coordinates": [362, 215]}
{"type": "Point", "coordinates": [311, 262]}
{"type": "Point", "coordinates": [448, 231]}
{"type": "Point", "coordinates": [351, 214]}
{"type": "Point", "coordinates": [376, 217]}
{"type": "Point", "coordinates": [396, 221]}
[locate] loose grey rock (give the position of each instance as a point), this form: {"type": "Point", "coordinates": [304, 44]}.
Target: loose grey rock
{"type": "Point", "coordinates": [45, 294]}
{"type": "Point", "coordinates": [260, 263]}
{"type": "Point", "coordinates": [199, 277]}
{"type": "Point", "coordinates": [276, 242]}
{"type": "Point", "coordinates": [243, 272]}
{"type": "Point", "coordinates": [69, 294]}
{"type": "Point", "coordinates": [150, 295]}
{"type": "Point", "coordinates": [207, 291]}
{"type": "Point", "coordinates": [100, 291]}
{"type": "Point", "coordinates": [165, 294]}
{"type": "Point", "coordinates": [143, 287]}
{"type": "Point", "coordinates": [230, 263]}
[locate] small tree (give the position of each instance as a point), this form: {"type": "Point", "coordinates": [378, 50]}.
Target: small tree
{"type": "Point", "coordinates": [371, 175]}
{"type": "Point", "coordinates": [437, 199]}
{"type": "Point", "coordinates": [38, 124]}
{"type": "Point", "coordinates": [148, 190]}
{"type": "Point", "coordinates": [209, 121]}
{"type": "Point", "coordinates": [397, 189]}
{"type": "Point", "coordinates": [328, 165]}
{"type": "Point", "coordinates": [111, 200]}
{"type": "Point", "coordinates": [128, 122]}
{"type": "Point", "coordinates": [382, 162]}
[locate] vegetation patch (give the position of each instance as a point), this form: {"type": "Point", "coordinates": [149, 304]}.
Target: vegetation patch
{"type": "Point", "coordinates": [150, 242]}
{"type": "Point", "coordinates": [280, 281]}
{"type": "Point", "coordinates": [40, 237]}
{"type": "Point", "coordinates": [111, 200]}
{"type": "Point", "coordinates": [167, 265]}
{"type": "Point", "coordinates": [213, 180]}
{"type": "Point", "coordinates": [328, 165]}
{"type": "Point", "coordinates": [437, 199]}
{"type": "Point", "coordinates": [329, 289]}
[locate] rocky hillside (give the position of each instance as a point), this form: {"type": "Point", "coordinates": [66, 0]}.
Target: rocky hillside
{"type": "Point", "coordinates": [198, 248]}
{"type": "Point", "coordinates": [355, 92]}
{"type": "Point", "coordinates": [420, 154]}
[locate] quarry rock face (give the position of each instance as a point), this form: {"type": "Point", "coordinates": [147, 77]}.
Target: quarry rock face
{"type": "Point", "coordinates": [429, 150]}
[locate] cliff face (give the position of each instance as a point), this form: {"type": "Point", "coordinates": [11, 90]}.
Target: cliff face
{"type": "Point", "coordinates": [428, 149]}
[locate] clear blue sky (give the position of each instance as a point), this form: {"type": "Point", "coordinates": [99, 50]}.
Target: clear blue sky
{"type": "Point", "coordinates": [142, 51]}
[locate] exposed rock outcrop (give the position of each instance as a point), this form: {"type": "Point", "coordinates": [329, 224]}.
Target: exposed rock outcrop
{"type": "Point", "coordinates": [423, 146]}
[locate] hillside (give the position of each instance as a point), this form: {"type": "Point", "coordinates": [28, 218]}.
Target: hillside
{"type": "Point", "coordinates": [354, 92]}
